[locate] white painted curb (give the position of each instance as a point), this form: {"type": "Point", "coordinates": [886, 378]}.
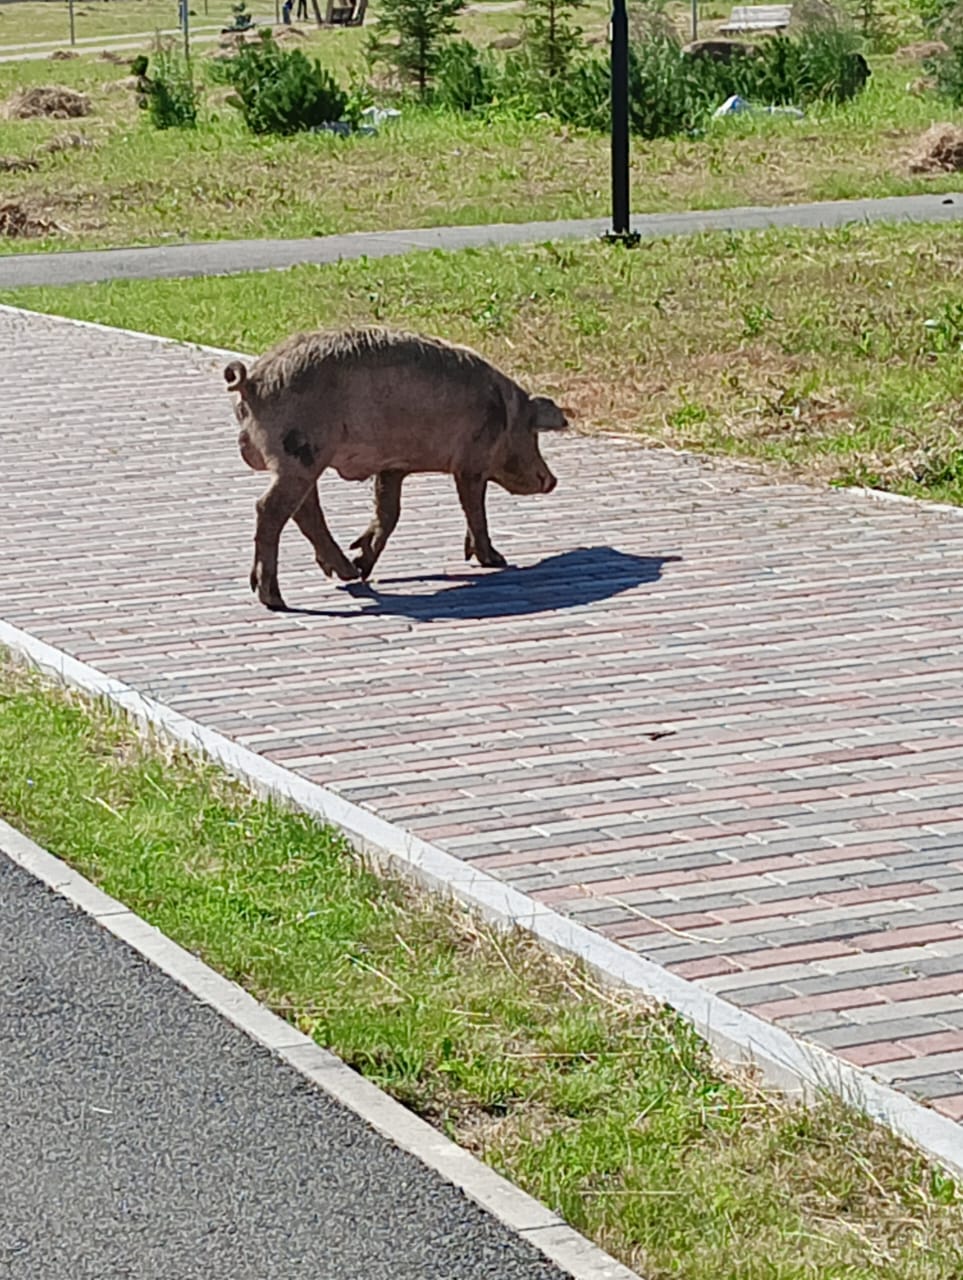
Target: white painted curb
{"type": "Point", "coordinates": [532, 1221]}
{"type": "Point", "coordinates": [736, 1035]}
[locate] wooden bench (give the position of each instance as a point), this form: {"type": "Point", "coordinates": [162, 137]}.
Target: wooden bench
{"type": "Point", "coordinates": [341, 14]}
{"type": "Point", "coordinates": [759, 17]}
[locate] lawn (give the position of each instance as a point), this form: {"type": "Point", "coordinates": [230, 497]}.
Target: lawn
{"type": "Point", "coordinates": [608, 1110]}
{"type": "Point", "coordinates": [835, 355]}
{"type": "Point", "coordinates": [136, 185]}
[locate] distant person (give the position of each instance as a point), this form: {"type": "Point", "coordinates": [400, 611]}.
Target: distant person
{"type": "Point", "coordinates": [302, 10]}
{"type": "Point", "coordinates": [286, 12]}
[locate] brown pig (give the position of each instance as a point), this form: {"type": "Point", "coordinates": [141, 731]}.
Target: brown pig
{"type": "Point", "coordinates": [372, 402]}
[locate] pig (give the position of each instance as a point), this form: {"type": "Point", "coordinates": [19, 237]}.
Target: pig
{"type": "Point", "coordinates": [383, 403]}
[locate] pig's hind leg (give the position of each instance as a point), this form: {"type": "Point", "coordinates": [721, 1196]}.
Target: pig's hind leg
{"type": "Point", "coordinates": [387, 510]}
{"type": "Point", "coordinates": [310, 520]}
{"type": "Point", "coordinates": [275, 507]}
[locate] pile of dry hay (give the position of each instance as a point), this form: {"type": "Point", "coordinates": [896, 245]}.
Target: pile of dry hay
{"type": "Point", "coordinates": [17, 223]}
{"type": "Point", "coordinates": [940, 150]}
{"type": "Point", "coordinates": [54, 101]}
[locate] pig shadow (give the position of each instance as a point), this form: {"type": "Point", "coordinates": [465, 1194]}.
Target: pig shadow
{"type": "Point", "coordinates": [584, 576]}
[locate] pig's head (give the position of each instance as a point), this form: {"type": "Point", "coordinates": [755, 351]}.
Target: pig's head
{"type": "Point", "coordinates": [521, 469]}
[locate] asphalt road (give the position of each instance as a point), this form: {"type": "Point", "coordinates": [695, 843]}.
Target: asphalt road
{"type": "Point", "coordinates": [230, 256]}
{"type": "Point", "coordinates": [142, 1136]}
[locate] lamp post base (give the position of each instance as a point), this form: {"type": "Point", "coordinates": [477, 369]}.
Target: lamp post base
{"type": "Point", "coordinates": [627, 239]}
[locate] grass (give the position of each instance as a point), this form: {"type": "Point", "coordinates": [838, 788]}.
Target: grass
{"type": "Point", "coordinates": [608, 1110]}
{"type": "Point", "coordinates": [31, 23]}
{"type": "Point", "coordinates": [834, 354]}
{"type": "Point", "coordinates": [139, 186]}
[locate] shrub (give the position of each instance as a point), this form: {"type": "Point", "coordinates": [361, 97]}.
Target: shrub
{"type": "Point", "coordinates": [411, 36]}
{"type": "Point", "coordinates": [822, 64]}
{"type": "Point", "coordinates": [282, 91]}
{"type": "Point", "coordinates": [466, 79]}
{"type": "Point", "coordinates": [171, 97]}
{"type": "Point", "coordinates": [553, 40]}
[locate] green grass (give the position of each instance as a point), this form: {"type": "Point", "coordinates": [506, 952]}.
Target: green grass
{"type": "Point", "coordinates": [609, 1111]}
{"type": "Point", "coordinates": [836, 354]}
{"type": "Point", "coordinates": [137, 185]}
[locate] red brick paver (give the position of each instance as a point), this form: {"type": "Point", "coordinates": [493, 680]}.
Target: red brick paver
{"type": "Point", "coordinates": [718, 719]}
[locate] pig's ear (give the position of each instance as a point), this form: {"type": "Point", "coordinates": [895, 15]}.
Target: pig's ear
{"type": "Point", "coordinates": [547, 416]}
{"type": "Point", "coordinates": [235, 375]}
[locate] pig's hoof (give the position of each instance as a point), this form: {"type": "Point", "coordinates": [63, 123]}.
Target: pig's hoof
{"type": "Point", "coordinates": [273, 602]}
{"type": "Point", "coordinates": [348, 572]}
{"type": "Point", "coordinates": [493, 560]}
{"type": "Point", "coordinates": [254, 579]}
{"type": "Point", "coordinates": [364, 565]}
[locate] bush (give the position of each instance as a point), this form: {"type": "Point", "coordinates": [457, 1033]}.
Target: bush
{"type": "Point", "coordinates": [948, 71]}
{"type": "Point", "coordinates": [552, 39]}
{"type": "Point", "coordinates": [465, 78]}
{"type": "Point", "coordinates": [171, 97]}
{"type": "Point", "coordinates": [411, 37]}
{"type": "Point", "coordinates": [822, 64]}
{"type": "Point", "coordinates": [669, 93]}
{"type": "Point", "coordinates": [282, 91]}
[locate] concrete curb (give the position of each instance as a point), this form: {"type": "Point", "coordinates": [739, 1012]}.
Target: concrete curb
{"type": "Point", "coordinates": [737, 1036]}
{"type": "Point", "coordinates": [546, 1231]}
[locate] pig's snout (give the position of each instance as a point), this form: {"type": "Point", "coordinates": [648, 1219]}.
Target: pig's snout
{"type": "Point", "coordinates": [547, 481]}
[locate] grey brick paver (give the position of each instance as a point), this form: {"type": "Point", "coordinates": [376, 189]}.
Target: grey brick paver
{"type": "Point", "coordinates": [793, 839]}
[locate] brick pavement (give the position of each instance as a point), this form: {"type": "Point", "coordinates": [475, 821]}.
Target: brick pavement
{"type": "Point", "coordinates": [717, 719]}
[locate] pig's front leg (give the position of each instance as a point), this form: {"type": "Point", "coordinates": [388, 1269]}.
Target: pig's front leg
{"type": "Point", "coordinates": [471, 493]}
{"type": "Point", "coordinates": [310, 520]}
{"type": "Point", "coordinates": [387, 510]}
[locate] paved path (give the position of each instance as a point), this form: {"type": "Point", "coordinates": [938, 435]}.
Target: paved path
{"type": "Point", "coordinates": [227, 256]}
{"type": "Point", "coordinates": [717, 719]}
{"type": "Point", "coordinates": [144, 1136]}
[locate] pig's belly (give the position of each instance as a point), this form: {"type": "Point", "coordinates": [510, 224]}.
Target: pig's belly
{"type": "Point", "coordinates": [361, 462]}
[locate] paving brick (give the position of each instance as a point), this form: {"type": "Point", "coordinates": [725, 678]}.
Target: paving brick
{"type": "Point", "coordinates": [874, 1055]}
{"type": "Point", "coordinates": [867, 1033]}
{"type": "Point", "coordinates": [805, 806]}
{"type": "Point", "coordinates": [951, 1106]}
{"type": "Point", "coordinates": [919, 1068]}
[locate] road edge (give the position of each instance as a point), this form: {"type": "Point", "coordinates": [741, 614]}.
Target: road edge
{"type": "Point", "coordinates": [514, 1208]}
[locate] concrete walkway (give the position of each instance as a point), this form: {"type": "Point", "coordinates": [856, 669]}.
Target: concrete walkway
{"type": "Point", "coordinates": [718, 720]}
{"type": "Point", "coordinates": [225, 257]}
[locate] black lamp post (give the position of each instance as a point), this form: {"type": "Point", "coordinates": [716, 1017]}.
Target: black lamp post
{"type": "Point", "coordinates": [621, 232]}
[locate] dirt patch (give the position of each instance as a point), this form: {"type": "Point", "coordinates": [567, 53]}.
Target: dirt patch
{"type": "Point", "coordinates": [53, 101]}
{"type": "Point", "coordinates": [108, 55]}
{"type": "Point", "coordinates": [920, 51]}
{"type": "Point", "coordinates": [17, 224]}
{"type": "Point", "coordinates": [63, 55]}
{"type": "Point", "coordinates": [129, 84]}
{"type": "Point", "coordinates": [17, 164]}
{"type": "Point", "coordinates": [939, 150]}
